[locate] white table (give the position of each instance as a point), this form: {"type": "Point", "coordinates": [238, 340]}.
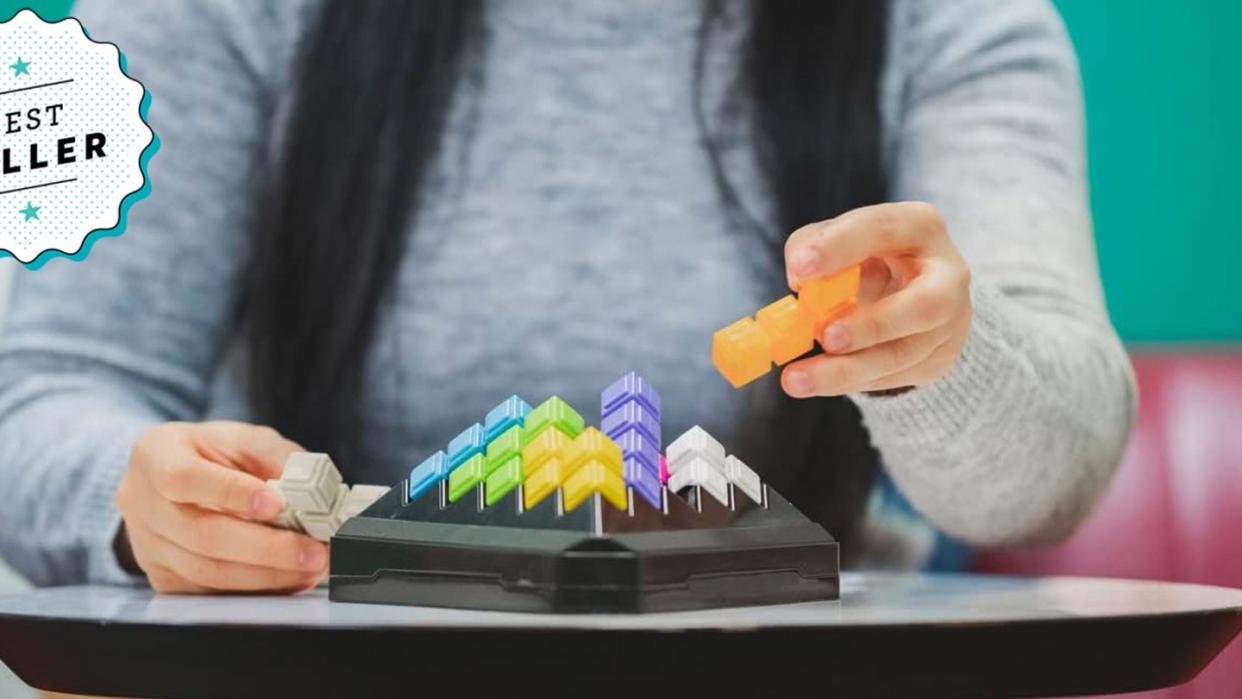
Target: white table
{"type": "Point", "coordinates": [889, 635]}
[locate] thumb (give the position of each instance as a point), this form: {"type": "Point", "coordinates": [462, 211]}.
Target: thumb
{"type": "Point", "coordinates": [255, 449]}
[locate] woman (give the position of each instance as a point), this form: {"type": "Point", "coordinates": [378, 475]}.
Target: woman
{"type": "Point", "coordinates": [371, 221]}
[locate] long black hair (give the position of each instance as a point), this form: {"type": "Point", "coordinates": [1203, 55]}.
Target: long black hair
{"type": "Point", "coordinates": [373, 85]}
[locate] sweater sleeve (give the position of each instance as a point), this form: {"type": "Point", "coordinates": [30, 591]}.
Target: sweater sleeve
{"type": "Point", "coordinates": [1019, 441]}
{"type": "Point", "coordinates": [95, 351]}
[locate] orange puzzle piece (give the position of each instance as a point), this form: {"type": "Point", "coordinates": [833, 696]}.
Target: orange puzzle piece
{"type": "Point", "coordinates": [787, 328]}
{"type": "Point", "coordinates": [742, 351]}
{"type": "Point", "coordinates": [829, 298]}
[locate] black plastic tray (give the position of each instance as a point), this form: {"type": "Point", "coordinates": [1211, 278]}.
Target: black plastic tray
{"type": "Point", "coordinates": [692, 553]}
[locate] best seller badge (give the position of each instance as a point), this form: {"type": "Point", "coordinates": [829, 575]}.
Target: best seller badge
{"type": "Point", "coordinates": [74, 140]}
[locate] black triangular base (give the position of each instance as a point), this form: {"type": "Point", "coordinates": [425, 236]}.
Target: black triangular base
{"type": "Point", "coordinates": [692, 553]}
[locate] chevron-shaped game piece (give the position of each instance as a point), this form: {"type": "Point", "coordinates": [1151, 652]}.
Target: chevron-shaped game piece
{"type": "Point", "coordinates": [630, 415]}
{"type": "Point", "coordinates": [317, 502]}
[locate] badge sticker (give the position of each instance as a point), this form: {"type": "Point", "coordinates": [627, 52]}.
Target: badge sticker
{"type": "Point", "coordinates": [74, 139]}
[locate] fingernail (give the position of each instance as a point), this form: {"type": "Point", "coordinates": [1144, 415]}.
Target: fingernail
{"type": "Point", "coordinates": [313, 557]}
{"type": "Point", "coordinates": [266, 504]}
{"type": "Point", "coordinates": [836, 338]}
{"type": "Point", "coordinates": [804, 261]}
{"type": "Point", "coordinates": [798, 383]}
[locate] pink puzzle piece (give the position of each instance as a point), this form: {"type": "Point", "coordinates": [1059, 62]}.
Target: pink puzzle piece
{"type": "Point", "coordinates": [663, 469]}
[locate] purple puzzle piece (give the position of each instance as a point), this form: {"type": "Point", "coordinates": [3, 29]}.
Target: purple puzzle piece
{"type": "Point", "coordinates": [635, 444]}
{"type": "Point", "coordinates": [630, 387]}
{"type": "Point", "coordinates": [632, 414]}
{"type": "Point", "coordinates": [644, 481]}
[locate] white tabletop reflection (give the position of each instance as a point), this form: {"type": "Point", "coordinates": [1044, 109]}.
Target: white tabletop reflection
{"type": "Point", "coordinates": [867, 599]}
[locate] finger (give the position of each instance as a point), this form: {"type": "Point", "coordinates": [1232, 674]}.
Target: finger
{"type": "Point", "coordinates": [834, 375]}
{"type": "Point", "coordinates": [192, 479]}
{"type": "Point", "coordinates": [820, 249]}
{"type": "Point", "coordinates": [165, 581]}
{"type": "Point", "coordinates": [227, 538]}
{"type": "Point", "coordinates": [146, 548]}
{"type": "Point", "coordinates": [227, 575]}
{"type": "Point", "coordinates": [937, 364]}
{"type": "Point", "coordinates": [256, 449]}
{"type": "Point", "coordinates": [928, 302]}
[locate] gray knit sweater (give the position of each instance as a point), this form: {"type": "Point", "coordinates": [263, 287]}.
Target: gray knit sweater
{"type": "Point", "coordinates": [583, 153]}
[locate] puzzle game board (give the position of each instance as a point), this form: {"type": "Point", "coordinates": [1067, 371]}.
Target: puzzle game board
{"type": "Point", "coordinates": [530, 509]}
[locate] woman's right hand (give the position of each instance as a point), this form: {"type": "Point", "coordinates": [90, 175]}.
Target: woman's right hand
{"type": "Point", "coordinates": [193, 500]}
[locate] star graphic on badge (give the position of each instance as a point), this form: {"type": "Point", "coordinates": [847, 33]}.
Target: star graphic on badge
{"type": "Point", "coordinates": [31, 211]}
{"type": "Point", "coordinates": [20, 67]}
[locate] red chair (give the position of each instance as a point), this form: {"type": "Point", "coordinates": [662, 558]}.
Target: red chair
{"type": "Point", "coordinates": [1175, 509]}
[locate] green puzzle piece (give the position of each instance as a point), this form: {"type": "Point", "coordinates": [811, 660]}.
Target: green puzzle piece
{"type": "Point", "coordinates": [502, 480]}
{"type": "Point", "coordinates": [552, 411]}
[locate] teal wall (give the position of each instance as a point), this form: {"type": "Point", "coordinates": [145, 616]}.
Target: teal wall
{"type": "Point", "coordinates": [1164, 111]}
{"type": "Point", "coordinates": [1164, 108]}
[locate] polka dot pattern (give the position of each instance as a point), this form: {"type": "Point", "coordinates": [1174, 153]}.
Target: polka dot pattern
{"type": "Point", "coordinates": [85, 77]}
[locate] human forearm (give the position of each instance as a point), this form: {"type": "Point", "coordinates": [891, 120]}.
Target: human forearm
{"type": "Point", "coordinates": [63, 447]}
{"type": "Point", "coordinates": [1016, 444]}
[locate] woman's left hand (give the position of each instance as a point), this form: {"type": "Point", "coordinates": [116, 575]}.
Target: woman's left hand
{"type": "Point", "coordinates": [913, 300]}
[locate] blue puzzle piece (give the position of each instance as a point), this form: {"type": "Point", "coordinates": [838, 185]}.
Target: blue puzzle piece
{"type": "Point", "coordinates": [509, 413]}
{"type": "Point", "coordinates": [425, 475]}
{"type": "Point", "coordinates": [644, 481]}
{"type": "Point", "coordinates": [630, 387]}
{"type": "Point", "coordinates": [465, 445]}
{"type": "Point", "coordinates": [632, 414]}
